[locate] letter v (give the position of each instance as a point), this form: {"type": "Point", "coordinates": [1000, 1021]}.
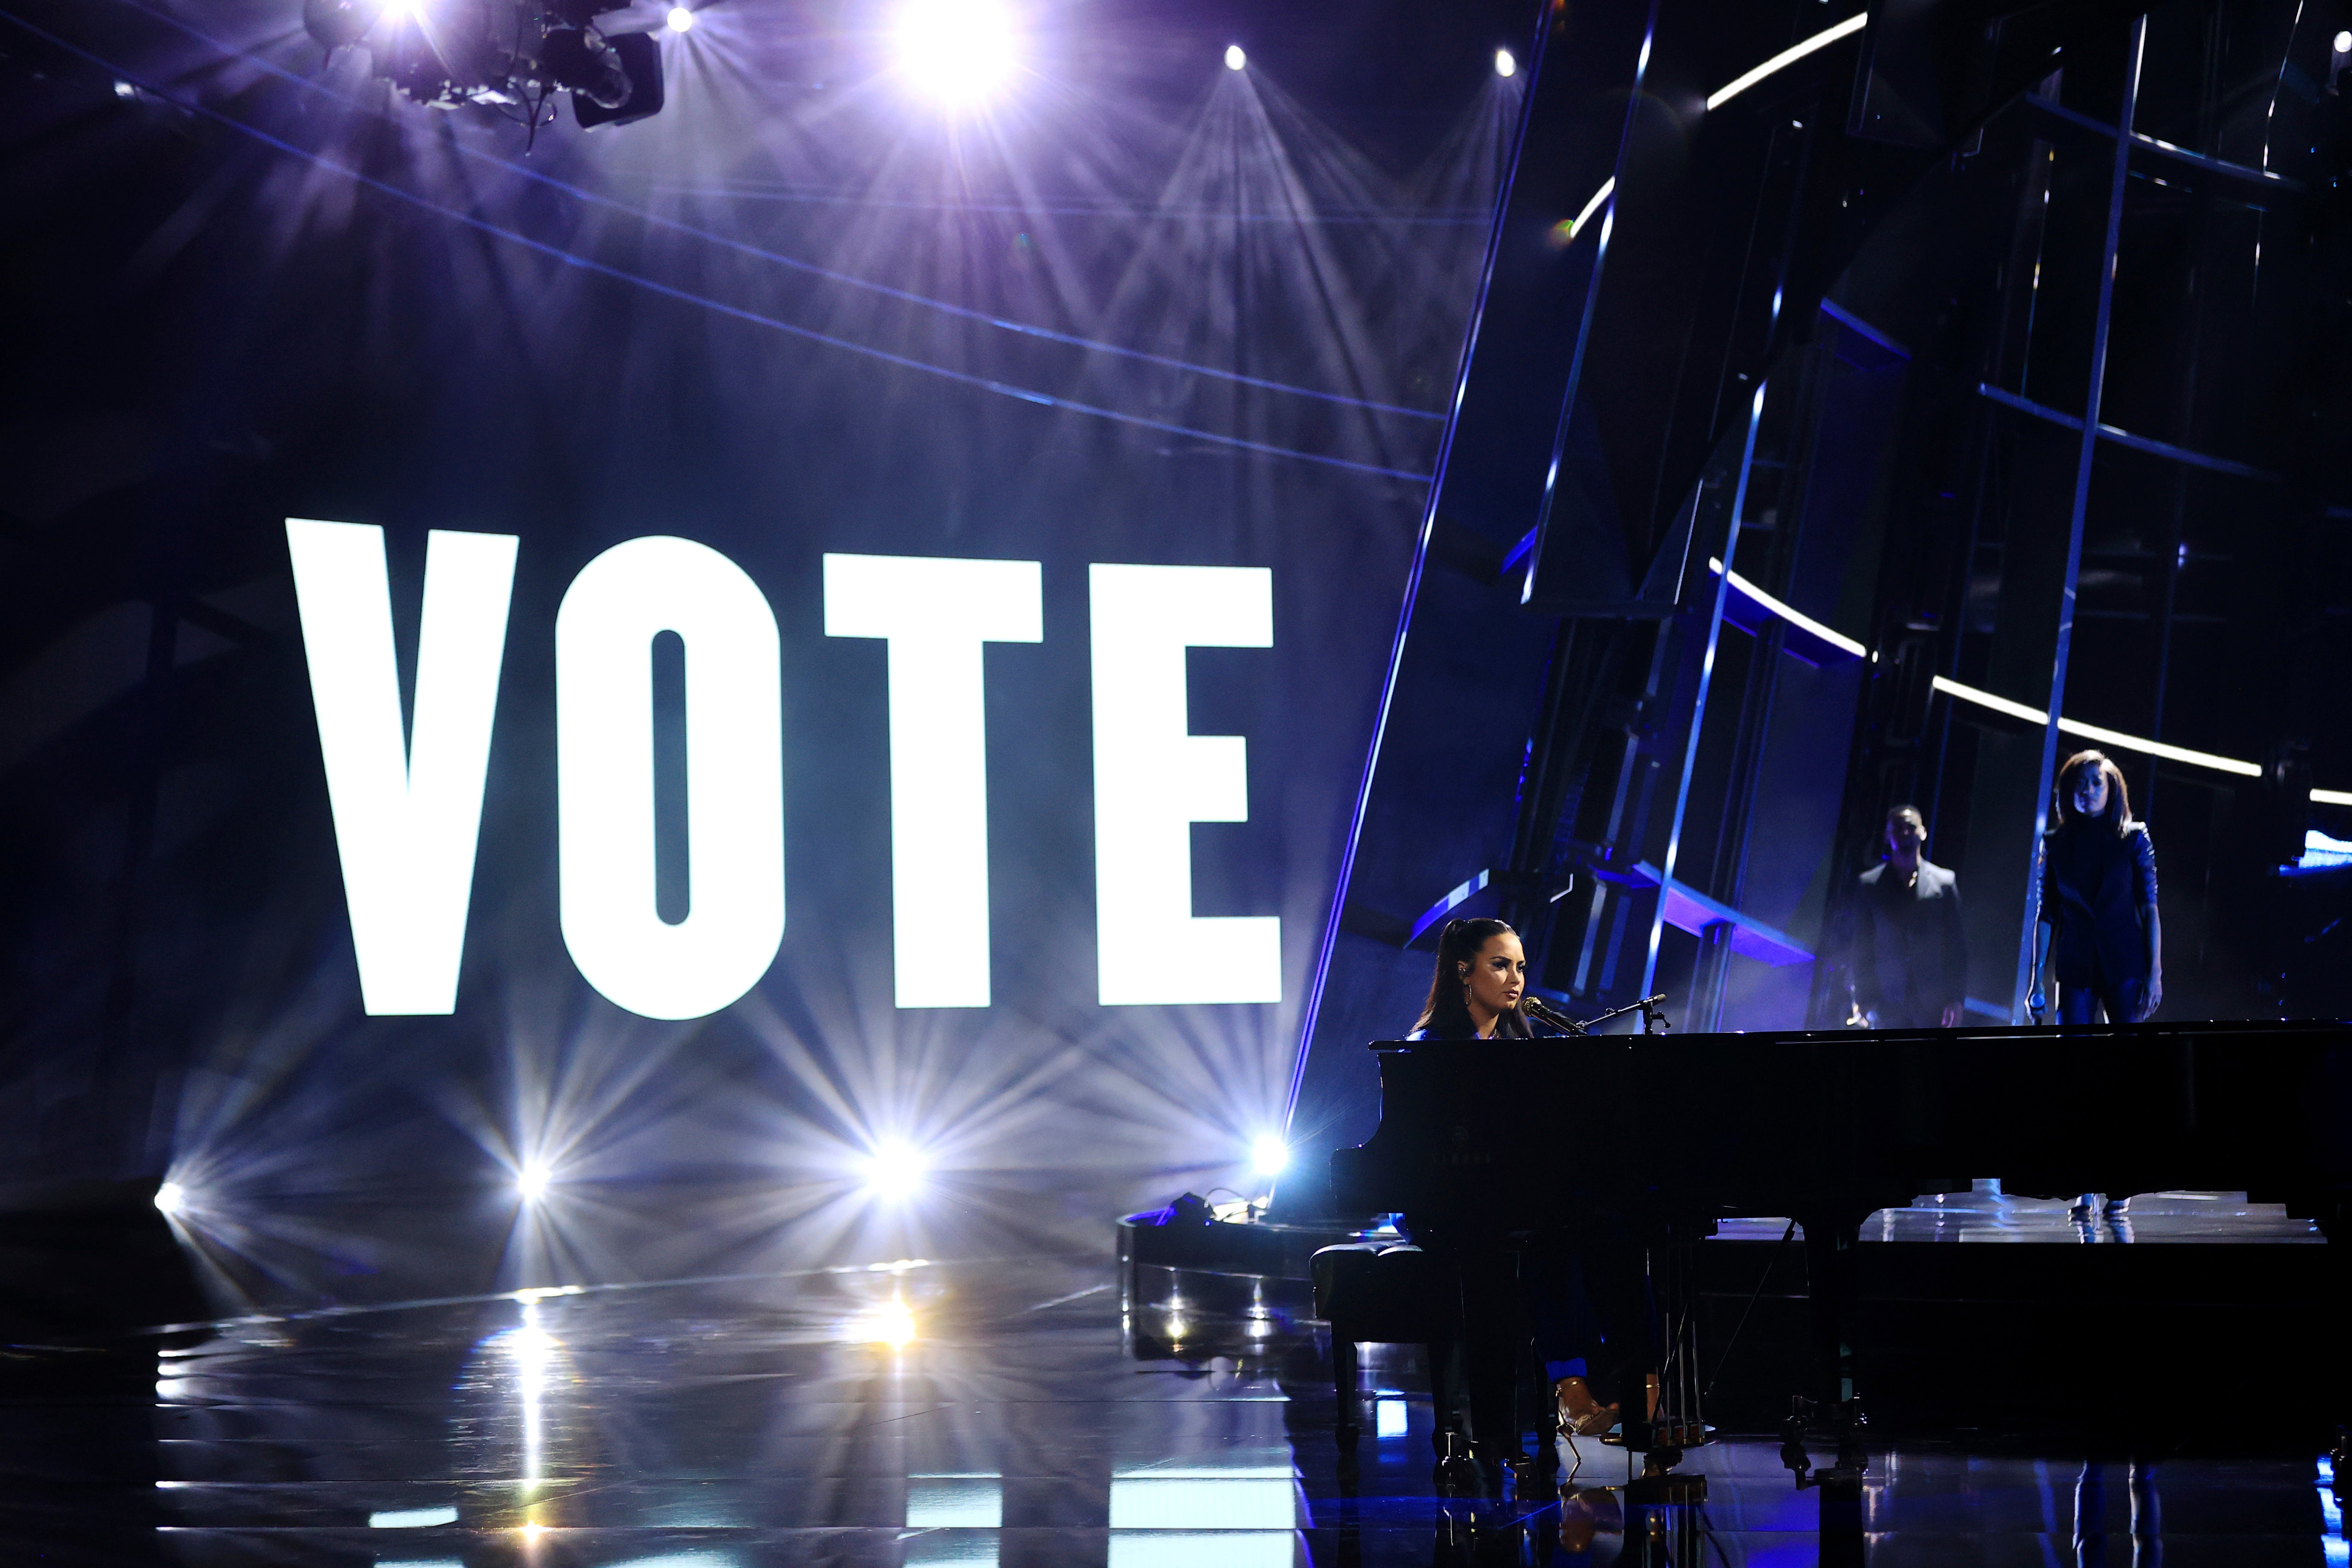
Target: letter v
{"type": "Point", "coordinates": [409, 812]}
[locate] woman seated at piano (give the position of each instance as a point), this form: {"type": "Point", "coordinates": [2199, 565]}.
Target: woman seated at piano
{"type": "Point", "coordinates": [1585, 1290]}
{"type": "Point", "coordinates": [1482, 972]}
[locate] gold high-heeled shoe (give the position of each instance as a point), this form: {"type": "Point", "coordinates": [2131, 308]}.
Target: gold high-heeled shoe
{"type": "Point", "coordinates": [1585, 1416]}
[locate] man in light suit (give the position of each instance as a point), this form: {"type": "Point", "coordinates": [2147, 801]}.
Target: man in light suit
{"type": "Point", "coordinates": [1910, 956]}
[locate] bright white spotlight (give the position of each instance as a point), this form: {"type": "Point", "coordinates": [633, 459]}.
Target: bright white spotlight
{"type": "Point", "coordinates": [682, 20]}
{"type": "Point", "coordinates": [2344, 43]}
{"type": "Point", "coordinates": [894, 1171]}
{"type": "Point", "coordinates": [1234, 58]}
{"type": "Point", "coordinates": [1268, 1156]}
{"type": "Point", "coordinates": [1505, 63]}
{"type": "Point", "coordinates": [892, 1324]}
{"type": "Point", "coordinates": [960, 53]}
{"type": "Point", "coordinates": [171, 1197]}
{"type": "Point", "coordinates": [531, 1181]}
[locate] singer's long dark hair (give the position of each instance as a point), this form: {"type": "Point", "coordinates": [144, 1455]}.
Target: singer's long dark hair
{"type": "Point", "coordinates": [2117, 817]}
{"type": "Point", "coordinates": [1446, 1015]}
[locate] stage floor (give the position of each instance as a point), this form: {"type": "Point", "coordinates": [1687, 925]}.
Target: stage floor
{"type": "Point", "coordinates": [716, 1423]}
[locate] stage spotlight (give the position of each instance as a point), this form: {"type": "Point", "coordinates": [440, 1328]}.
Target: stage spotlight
{"type": "Point", "coordinates": [890, 1322]}
{"type": "Point", "coordinates": [682, 20]}
{"type": "Point", "coordinates": [893, 1325]}
{"type": "Point", "coordinates": [2344, 43]}
{"type": "Point", "coordinates": [1268, 1156]}
{"type": "Point", "coordinates": [531, 1181]}
{"type": "Point", "coordinates": [1505, 63]}
{"type": "Point", "coordinates": [894, 1171]}
{"type": "Point", "coordinates": [1234, 58]}
{"type": "Point", "coordinates": [171, 1197]}
{"type": "Point", "coordinates": [959, 53]}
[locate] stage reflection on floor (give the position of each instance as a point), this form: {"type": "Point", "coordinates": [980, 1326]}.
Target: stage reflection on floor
{"type": "Point", "coordinates": [971, 1414]}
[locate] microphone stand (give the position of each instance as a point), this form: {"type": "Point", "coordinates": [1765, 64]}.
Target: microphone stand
{"type": "Point", "coordinates": [1654, 1016]}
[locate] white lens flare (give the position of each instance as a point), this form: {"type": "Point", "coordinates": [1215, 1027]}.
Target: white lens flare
{"type": "Point", "coordinates": [1505, 63]}
{"type": "Point", "coordinates": [1234, 58]}
{"type": "Point", "coordinates": [890, 1323]}
{"type": "Point", "coordinates": [894, 1171]}
{"type": "Point", "coordinates": [680, 19]}
{"type": "Point", "coordinates": [957, 53]}
{"type": "Point", "coordinates": [171, 1197]}
{"type": "Point", "coordinates": [531, 1181]}
{"type": "Point", "coordinates": [1268, 1156]}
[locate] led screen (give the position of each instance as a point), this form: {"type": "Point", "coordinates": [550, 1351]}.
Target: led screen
{"type": "Point", "coordinates": [786, 679]}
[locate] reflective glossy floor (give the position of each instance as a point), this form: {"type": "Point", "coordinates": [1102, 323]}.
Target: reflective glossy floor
{"type": "Point", "coordinates": [704, 1425]}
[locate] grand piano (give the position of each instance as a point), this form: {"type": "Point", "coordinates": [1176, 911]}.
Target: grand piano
{"type": "Point", "coordinates": [1678, 1132]}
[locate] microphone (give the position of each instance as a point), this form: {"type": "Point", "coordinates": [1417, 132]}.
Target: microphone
{"type": "Point", "coordinates": [1543, 1011]}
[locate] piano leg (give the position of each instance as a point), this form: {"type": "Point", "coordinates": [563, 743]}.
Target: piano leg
{"type": "Point", "coordinates": [1446, 1394]}
{"type": "Point", "coordinates": [1350, 1403]}
{"type": "Point", "coordinates": [1830, 1241]}
{"type": "Point", "coordinates": [1481, 1362]}
{"type": "Point", "coordinates": [2335, 1223]}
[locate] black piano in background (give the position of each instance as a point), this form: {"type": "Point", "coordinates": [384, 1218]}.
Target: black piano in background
{"type": "Point", "coordinates": [1677, 1132]}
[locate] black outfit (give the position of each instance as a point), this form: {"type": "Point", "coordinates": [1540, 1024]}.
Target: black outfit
{"type": "Point", "coordinates": [2098, 892]}
{"type": "Point", "coordinates": [1581, 1291]}
{"type": "Point", "coordinates": [1910, 954]}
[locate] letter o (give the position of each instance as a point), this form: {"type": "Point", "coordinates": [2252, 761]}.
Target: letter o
{"type": "Point", "coordinates": [604, 777]}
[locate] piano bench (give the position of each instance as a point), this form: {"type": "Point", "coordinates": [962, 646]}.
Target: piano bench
{"type": "Point", "coordinates": [1379, 1293]}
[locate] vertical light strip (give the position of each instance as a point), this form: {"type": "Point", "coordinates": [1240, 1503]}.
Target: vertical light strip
{"type": "Point", "coordinates": [1311, 1014]}
{"type": "Point", "coordinates": [2102, 321]}
{"type": "Point", "coordinates": [1706, 679]}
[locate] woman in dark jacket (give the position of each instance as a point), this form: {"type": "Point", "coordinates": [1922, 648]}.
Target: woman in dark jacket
{"type": "Point", "coordinates": [2098, 936]}
{"type": "Point", "coordinates": [1583, 1288]}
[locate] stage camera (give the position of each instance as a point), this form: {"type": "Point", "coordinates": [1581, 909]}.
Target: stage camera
{"type": "Point", "coordinates": [510, 56]}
